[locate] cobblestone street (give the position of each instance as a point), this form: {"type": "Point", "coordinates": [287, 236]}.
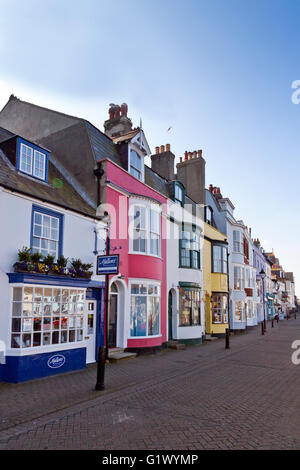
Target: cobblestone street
{"type": "Point", "coordinates": [204, 397]}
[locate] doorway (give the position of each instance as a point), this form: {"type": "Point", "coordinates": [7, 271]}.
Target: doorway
{"type": "Point", "coordinates": [113, 316]}
{"type": "Point", "coordinates": [91, 331]}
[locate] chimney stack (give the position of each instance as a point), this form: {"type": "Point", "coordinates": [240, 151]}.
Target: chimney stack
{"type": "Point", "coordinates": [162, 162]}
{"type": "Point", "coordinates": [191, 173]}
{"type": "Point", "coordinates": [118, 123]}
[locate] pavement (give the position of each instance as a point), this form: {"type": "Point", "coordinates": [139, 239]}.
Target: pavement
{"type": "Point", "coordinates": [203, 397]}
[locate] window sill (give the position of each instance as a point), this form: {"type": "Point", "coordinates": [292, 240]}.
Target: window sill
{"type": "Point", "coordinates": [145, 337]}
{"type": "Point", "coordinates": [189, 326]}
{"type": "Point", "coordinates": [144, 254]}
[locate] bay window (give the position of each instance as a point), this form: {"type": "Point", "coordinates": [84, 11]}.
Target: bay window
{"type": "Point", "coordinates": [238, 277]}
{"type": "Point", "coordinates": [42, 316]}
{"type": "Point", "coordinates": [146, 236]}
{"type": "Point", "coordinates": [145, 309]}
{"type": "Point", "coordinates": [219, 304]}
{"type": "Point", "coordinates": [237, 241]}
{"type": "Point", "coordinates": [190, 307]}
{"type": "Point", "coordinates": [219, 259]}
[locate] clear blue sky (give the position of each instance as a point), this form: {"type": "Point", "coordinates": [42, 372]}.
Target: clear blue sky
{"type": "Point", "coordinates": [219, 72]}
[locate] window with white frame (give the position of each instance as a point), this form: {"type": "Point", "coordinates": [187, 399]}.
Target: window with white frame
{"type": "Point", "coordinates": [237, 241]}
{"type": "Point", "coordinates": [238, 278]}
{"type": "Point", "coordinates": [32, 161]}
{"type": "Point", "coordinates": [219, 303]}
{"type": "Point", "coordinates": [43, 316]}
{"type": "Point", "coordinates": [219, 259]}
{"type": "Point", "coordinates": [146, 236]}
{"type": "Point", "coordinates": [178, 194]}
{"type": "Point", "coordinates": [238, 310]}
{"type": "Point", "coordinates": [136, 165]}
{"type": "Point", "coordinates": [144, 309]}
{"type": "Point", "coordinates": [249, 309]}
{"type": "Point", "coordinates": [45, 233]}
{"type": "Point", "coordinates": [190, 249]}
{"type": "Point", "coordinates": [189, 307]}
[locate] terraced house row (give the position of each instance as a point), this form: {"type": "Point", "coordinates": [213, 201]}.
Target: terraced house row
{"type": "Point", "coordinates": [69, 193]}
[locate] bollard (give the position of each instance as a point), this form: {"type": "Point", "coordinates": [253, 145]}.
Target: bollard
{"type": "Point", "coordinates": [262, 328]}
{"type": "Point", "coordinates": [272, 322]}
{"type": "Point", "coordinates": [227, 338]}
{"type": "Point", "coordinates": [100, 369]}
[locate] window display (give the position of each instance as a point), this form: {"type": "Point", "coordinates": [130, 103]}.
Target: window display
{"type": "Point", "coordinates": [145, 309]}
{"type": "Point", "coordinates": [43, 315]}
{"type": "Point", "coordinates": [190, 307]}
{"type": "Point", "coordinates": [219, 308]}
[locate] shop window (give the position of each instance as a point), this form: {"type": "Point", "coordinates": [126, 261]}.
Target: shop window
{"type": "Point", "coordinates": [46, 231]}
{"type": "Point", "coordinates": [219, 259]}
{"type": "Point", "coordinates": [238, 311]}
{"type": "Point", "coordinates": [42, 316]}
{"type": "Point", "coordinates": [219, 303]}
{"type": "Point", "coordinates": [190, 307]}
{"type": "Point", "coordinates": [145, 309]}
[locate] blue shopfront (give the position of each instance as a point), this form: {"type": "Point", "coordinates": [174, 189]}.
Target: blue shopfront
{"type": "Point", "coordinates": [56, 325]}
{"type": "Point", "coordinates": [270, 305]}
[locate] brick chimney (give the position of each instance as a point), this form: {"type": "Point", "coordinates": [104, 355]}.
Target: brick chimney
{"type": "Point", "coordinates": [118, 123]}
{"type": "Point", "coordinates": [191, 173]}
{"type": "Point", "coordinates": [162, 162]}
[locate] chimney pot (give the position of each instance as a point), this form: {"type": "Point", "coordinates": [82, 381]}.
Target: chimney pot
{"type": "Point", "coordinates": [185, 156]}
{"type": "Point", "coordinates": [156, 150]}
{"type": "Point", "coordinates": [180, 159]}
{"type": "Point", "coordinates": [162, 148]}
{"type": "Point", "coordinates": [199, 153]}
{"type": "Point", "coordinates": [168, 148]}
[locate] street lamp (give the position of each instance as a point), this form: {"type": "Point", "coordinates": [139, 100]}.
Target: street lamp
{"type": "Point", "coordinates": [262, 276]}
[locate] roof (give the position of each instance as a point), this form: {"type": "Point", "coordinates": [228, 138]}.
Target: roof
{"type": "Point", "coordinates": [57, 191]}
{"type": "Point", "coordinates": [5, 134]}
{"type": "Point", "coordinates": [102, 146]}
{"type": "Point", "coordinates": [126, 137]}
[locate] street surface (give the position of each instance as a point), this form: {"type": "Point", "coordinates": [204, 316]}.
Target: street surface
{"type": "Point", "coordinates": [205, 397]}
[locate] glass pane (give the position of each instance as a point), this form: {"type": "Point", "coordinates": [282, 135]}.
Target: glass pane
{"type": "Point", "coordinates": [55, 337]}
{"type": "Point", "coordinates": [27, 310]}
{"type": "Point", "coordinates": [28, 294]}
{"type": "Point", "coordinates": [15, 341]}
{"type": "Point", "coordinates": [17, 309]}
{"type": "Point", "coordinates": [72, 336]}
{"type": "Point", "coordinates": [26, 341]}
{"type": "Point", "coordinates": [46, 339]}
{"type": "Point", "coordinates": [47, 323]}
{"type": "Point", "coordinates": [27, 324]}
{"type": "Point", "coordinates": [17, 294]}
{"type": "Point", "coordinates": [64, 337]}
{"type": "Point", "coordinates": [138, 316]}
{"type": "Point", "coordinates": [37, 339]}
{"type": "Point", "coordinates": [16, 325]}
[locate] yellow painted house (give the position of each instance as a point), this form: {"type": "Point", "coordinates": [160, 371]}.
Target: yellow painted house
{"type": "Point", "coordinates": [215, 280]}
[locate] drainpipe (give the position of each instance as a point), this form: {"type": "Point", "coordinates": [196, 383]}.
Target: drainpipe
{"type": "Point", "coordinates": [98, 172]}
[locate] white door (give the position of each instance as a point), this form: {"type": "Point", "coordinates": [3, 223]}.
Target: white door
{"type": "Point", "coordinates": [91, 331]}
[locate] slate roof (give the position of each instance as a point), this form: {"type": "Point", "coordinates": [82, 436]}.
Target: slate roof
{"type": "Point", "coordinates": [58, 191]}
{"type": "Point", "coordinates": [5, 134]}
{"type": "Point", "coordinates": [102, 145]}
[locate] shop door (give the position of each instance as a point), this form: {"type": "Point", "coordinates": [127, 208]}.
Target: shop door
{"type": "Point", "coordinates": [91, 331]}
{"type": "Point", "coordinates": [112, 327]}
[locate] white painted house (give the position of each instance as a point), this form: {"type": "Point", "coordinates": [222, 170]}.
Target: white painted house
{"type": "Point", "coordinates": [51, 319]}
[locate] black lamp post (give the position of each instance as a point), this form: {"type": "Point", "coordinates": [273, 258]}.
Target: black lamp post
{"type": "Point", "coordinates": [263, 275]}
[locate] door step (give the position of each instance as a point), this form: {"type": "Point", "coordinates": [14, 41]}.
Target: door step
{"type": "Point", "coordinates": [174, 344]}
{"type": "Point", "coordinates": [118, 354]}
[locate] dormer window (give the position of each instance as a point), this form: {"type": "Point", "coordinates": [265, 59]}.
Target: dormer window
{"type": "Point", "coordinates": [208, 215]}
{"type": "Point", "coordinates": [136, 165]}
{"type": "Point", "coordinates": [178, 194]}
{"type": "Point", "coordinates": [32, 160]}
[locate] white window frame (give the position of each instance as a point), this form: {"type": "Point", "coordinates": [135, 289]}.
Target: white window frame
{"type": "Point", "coordinates": [148, 207]}
{"type": "Point", "coordinates": [21, 151]}
{"type": "Point", "coordinates": [238, 240]}
{"type": "Point", "coordinates": [145, 282]}
{"type": "Point", "coordinates": [50, 346]}
{"type": "Point", "coordinates": [41, 237]}
{"type": "Point", "coordinates": [34, 164]}
{"type": "Point", "coordinates": [34, 156]}
{"type": "Point", "coordinates": [242, 313]}
{"type": "Point", "coordinates": [240, 278]}
{"type": "Point", "coordinates": [140, 154]}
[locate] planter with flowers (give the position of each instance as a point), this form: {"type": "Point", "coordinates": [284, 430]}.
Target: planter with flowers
{"type": "Point", "coordinates": [29, 262]}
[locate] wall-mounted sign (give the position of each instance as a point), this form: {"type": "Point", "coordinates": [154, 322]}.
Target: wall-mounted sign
{"type": "Point", "coordinates": [56, 361]}
{"type": "Point", "coordinates": [108, 264]}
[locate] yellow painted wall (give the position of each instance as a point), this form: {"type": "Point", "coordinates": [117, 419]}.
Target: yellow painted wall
{"type": "Point", "coordinates": [212, 282]}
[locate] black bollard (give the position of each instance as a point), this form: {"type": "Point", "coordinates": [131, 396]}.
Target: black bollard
{"type": "Point", "coordinates": [100, 369]}
{"type": "Point", "coordinates": [272, 322]}
{"type": "Point", "coordinates": [262, 328]}
{"type": "Point", "coordinates": [227, 339]}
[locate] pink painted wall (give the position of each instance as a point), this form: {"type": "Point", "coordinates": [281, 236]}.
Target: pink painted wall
{"type": "Point", "coordinates": [137, 266]}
